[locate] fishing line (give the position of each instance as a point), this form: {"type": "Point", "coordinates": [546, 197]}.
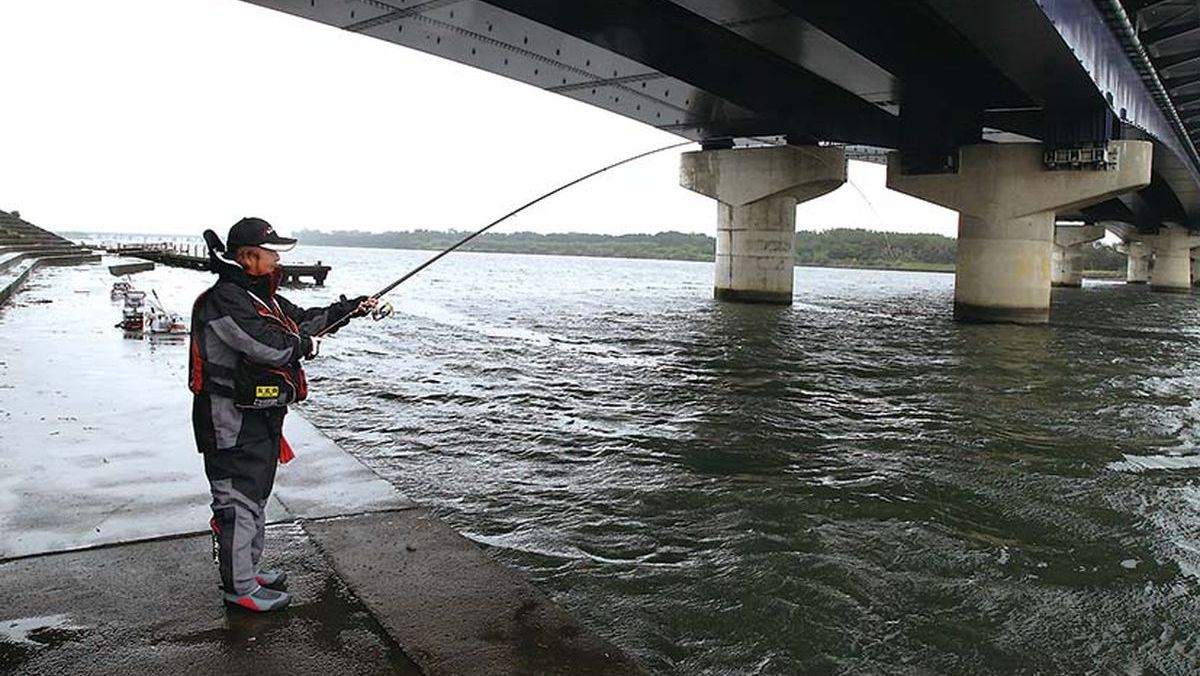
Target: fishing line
{"type": "Point", "coordinates": [408, 275]}
{"type": "Point", "coordinates": [887, 239]}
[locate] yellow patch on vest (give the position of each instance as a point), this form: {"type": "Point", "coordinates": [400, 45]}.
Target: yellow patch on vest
{"type": "Point", "coordinates": [266, 391]}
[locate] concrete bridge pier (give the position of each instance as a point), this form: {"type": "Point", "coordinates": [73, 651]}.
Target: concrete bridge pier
{"type": "Point", "coordinates": [1172, 271]}
{"type": "Point", "coordinates": [1066, 259]}
{"type": "Point", "coordinates": [757, 190]}
{"type": "Point", "coordinates": [1006, 201]}
{"type": "Point", "coordinates": [1137, 263]}
{"type": "Point", "coordinates": [1195, 269]}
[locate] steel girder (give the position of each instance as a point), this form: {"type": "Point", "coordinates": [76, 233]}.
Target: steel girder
{"type": "Point", "coordinates": [896, 74]}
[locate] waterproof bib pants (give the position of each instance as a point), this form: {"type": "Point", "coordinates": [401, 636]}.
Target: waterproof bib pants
{"type": "Point", "coordinates": [241, 479]}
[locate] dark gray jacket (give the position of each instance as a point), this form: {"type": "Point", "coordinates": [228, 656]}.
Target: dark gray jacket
{"type": "Point", "coordinates": [238, 318]}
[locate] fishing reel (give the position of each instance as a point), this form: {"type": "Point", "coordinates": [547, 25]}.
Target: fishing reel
{"type": "Point", "coordinates": [382, 311]}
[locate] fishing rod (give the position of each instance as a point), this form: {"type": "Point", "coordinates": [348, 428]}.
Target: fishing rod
{"type": "Point", "coordinates": [408, 275]}
{"type": "Point", "coordinates": [157, 301]}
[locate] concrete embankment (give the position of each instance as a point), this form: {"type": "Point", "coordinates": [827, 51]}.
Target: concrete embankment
{"type": "Point", "coordinates": [25, 247]}
{"type": "Point", "coordinates": [105, 561]}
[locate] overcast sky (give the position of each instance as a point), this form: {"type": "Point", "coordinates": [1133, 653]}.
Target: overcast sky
{"type": "Point", "coordinates": [170, 116]}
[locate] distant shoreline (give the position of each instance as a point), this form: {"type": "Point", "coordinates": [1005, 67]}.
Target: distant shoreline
{"type": "Point", "coordinates": [1104, 274]}
{"type": "Point", "coordinates": [845, 249]}
{"type": "Point", "coordinates": [838, 248]}
{"type": "Point", "coordinates": [901, 267]}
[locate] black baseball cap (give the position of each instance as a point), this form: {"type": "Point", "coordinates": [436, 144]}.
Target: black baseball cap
{"type": "Point", "coordinates": [253, 231]}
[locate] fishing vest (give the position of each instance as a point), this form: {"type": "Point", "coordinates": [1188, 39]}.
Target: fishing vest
{"type": "Point", "coordinates": [254, 385]}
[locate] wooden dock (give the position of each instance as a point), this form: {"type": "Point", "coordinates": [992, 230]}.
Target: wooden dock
{"type": "Point", "coordinates": [194, 257]}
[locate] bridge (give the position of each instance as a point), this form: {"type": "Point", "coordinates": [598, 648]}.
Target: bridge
{"type": "Point", "coordinates": [1016, 113]}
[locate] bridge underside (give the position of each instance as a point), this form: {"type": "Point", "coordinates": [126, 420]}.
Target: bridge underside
{"type": "Point", "coordinates": [1012, 112]}
{"type": "Point", "coordinates": [923, 76]}
{"type": "Point", "coordinates": [655, 62]}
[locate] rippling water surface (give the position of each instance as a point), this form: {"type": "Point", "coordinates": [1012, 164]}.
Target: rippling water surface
{"type": "Point", "coordinates": [854, 484]}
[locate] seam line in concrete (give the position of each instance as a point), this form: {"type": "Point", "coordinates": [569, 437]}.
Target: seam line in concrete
{"type": "Point", "coordinates": [192, 533]}
{"type": "Point", "coordinates": [107, 545]}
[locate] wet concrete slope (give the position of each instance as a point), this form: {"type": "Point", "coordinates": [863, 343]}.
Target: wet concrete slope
{"type": "Point", "coordinates": [455, 611]}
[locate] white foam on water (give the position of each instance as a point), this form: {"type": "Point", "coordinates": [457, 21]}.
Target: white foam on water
{"type": "Point", "coordinates": [1176, 511]}
{"type": "Point", "coordinates": [527, 544]}
{"type": "Point", "coordinates": [798, 305]}
{"type": "Point", "coordinates": [440, 315]}
{"type": "Point", "coordinates": [591, 350]}
{"type": "Point", "coordinates": [1146, 463]}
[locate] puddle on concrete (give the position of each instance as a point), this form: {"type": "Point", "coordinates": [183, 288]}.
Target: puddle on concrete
{"type": "Point", "coordinates": [21, 638]}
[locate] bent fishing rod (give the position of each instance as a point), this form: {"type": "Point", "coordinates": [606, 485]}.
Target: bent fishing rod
{"type": "Point", "coordinates": [411, 273]}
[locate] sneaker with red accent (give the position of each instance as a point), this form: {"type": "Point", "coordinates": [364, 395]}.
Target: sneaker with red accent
{"type": "Point", "coordinates": [272, 579]}
{"type": "Point", "coordinates": [260, 600]}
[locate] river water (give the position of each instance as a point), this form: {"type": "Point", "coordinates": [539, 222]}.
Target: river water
{"type": "Point", "coordinates": [853, 484]}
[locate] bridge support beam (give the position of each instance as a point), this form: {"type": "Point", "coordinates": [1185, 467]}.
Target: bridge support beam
{"type": "Point", "coordinates": [1066, 259]}
{"type": "Point", "coordinates": [1006, 201]}
{"type": "Point", "coordinates": [1195, 269]}
{"type": "Point", "coordinates": [757, 190]}
{"type": "Point", "coordinates": [1172, 271]}
{"type": "Point", "coordinates": [1137, 262]}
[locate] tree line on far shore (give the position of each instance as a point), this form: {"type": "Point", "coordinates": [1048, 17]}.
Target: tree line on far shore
{"type": "Point", "coordinates": [841, 247]}
{"type": "Point", "coordinates": [664, 245]}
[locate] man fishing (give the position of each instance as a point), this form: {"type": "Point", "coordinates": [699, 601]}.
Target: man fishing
{"type": "Point", "coordinates": [245, 369]}
{"type": "Point", "coordinates": [246, 346]}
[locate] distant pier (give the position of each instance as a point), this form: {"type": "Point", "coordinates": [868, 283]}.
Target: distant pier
{"type": "Point", "coordinates": [194, 257]}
